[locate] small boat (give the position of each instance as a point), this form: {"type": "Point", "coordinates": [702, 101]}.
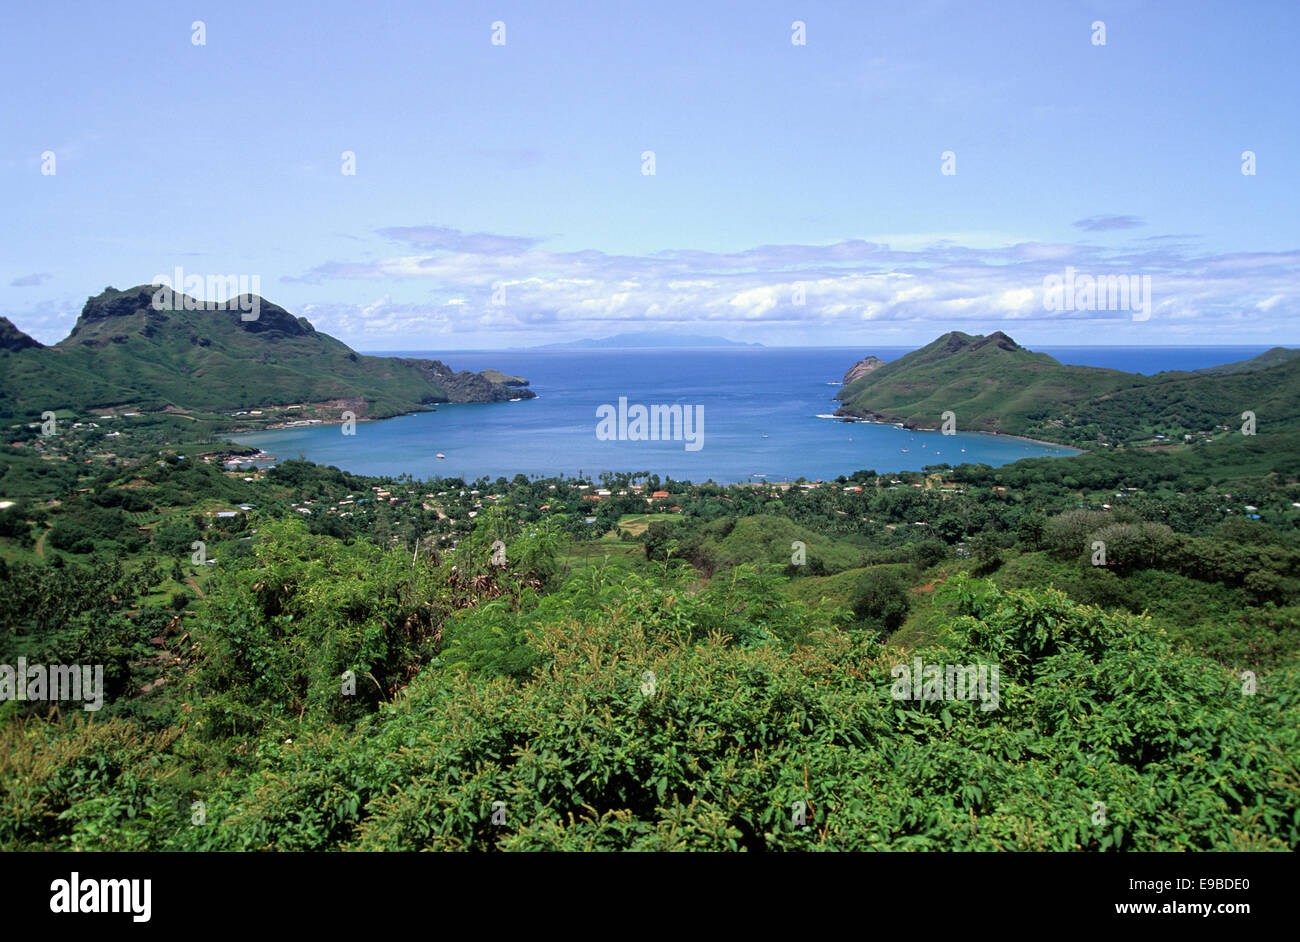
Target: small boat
{"type": "Point", "coordinates": [765, 434]}
{"type": "Point", "coordinates": [903, 450]}
{"type": "Point", "coordinates": [441, 455]}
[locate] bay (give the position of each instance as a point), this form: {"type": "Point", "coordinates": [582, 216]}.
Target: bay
{"type": "Point", "coordinates": [761, 410]}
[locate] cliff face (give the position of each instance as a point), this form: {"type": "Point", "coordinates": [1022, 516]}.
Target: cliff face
{"type": "Point", "coordinates": [464, 386]}
{"type": "Point", "coordinates": [997, 337]}
{"type": "Point", "coordinates": [861, 369]}
{"type": "Point", "coordinates": [115, 313]}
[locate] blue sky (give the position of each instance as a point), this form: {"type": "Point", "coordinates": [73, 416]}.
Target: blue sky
{"type": "Point", "coordinates": [519, 166]}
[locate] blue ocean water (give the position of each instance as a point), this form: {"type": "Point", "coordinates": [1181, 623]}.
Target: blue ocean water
{"type": "Point", "coordinates": [1151, 360]}
{"type": "Point", "coordinates": [761, 410]}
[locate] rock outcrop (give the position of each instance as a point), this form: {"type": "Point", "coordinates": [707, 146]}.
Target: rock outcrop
{"type": "Point", "coordinates": [861, 369]}
{"type": "Point", "coordinates": [464, 386]}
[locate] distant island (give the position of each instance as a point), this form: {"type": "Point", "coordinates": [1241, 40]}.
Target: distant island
{"type": "Point", "coordinates": [645, 339]}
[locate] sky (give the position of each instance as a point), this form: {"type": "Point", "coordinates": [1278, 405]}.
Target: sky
{"type": "Point", "coordinates": [501, 194]}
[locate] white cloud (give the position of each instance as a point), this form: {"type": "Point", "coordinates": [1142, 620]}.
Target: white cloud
{"type": "Point", "coordinates": [938, 285]}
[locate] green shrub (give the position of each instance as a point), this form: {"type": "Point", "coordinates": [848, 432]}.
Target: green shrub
{"type": "Point", "coordinates": [880, 601]}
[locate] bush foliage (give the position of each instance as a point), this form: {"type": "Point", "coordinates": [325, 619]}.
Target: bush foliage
{"type": "Point", "coordinates": [515, 707]}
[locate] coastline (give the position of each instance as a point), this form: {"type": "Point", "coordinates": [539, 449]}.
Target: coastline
{"type": "Point", "coordinates": [359, 419]}
{"type": "Point", "coordinates": [917, 428]}
{"type": "Point", "coordinates": [1036, 441]}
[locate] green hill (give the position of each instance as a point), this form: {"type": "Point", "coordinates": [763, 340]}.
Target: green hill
{"type": "Point", "coordinates": [123, 352]}
{"type": "Point", "coordinates": [992, 384]}
{"type": "Point", "coordinates": [1262, 362]}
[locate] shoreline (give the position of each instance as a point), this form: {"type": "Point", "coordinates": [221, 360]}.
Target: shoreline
{"type": "Point", "coordinates": [333, 420]}
{"type": "Point", "coordinates": [1036, 441]}
{"type": "Point", "coordinates": [1023, 438]}
{"type": "Point", "coordinates": [747, 479]}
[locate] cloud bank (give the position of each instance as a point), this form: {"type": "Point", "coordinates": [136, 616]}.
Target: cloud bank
{"type": "Point", "coordinates": [450, 282]}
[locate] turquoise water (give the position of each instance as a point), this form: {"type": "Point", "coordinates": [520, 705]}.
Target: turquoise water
{"type": "Point", "coordinates": [746, 394]}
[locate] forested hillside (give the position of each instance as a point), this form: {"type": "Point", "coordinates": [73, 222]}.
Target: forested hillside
{"type": "Point", "coordinates": [468, 670]}
{"type": "Point", "coordinates": [124, 352]}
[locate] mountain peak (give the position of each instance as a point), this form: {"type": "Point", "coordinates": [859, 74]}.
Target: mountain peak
{"type": "Point", "coordinates": [208, 358]}
{"type": "Point", "coordinates": [138, 301]}
{"type": "Point", "coordinates": [13, 339]}
{"type": "Point", "coordinates": [997, 337]}
{"type": "Point", "coordinates": [955, 341]}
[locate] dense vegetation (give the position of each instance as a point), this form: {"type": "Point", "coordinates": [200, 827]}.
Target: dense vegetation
{"type": "Point", "coordinates": [608, 708]}
{"type": "Point", "coordinates": [305, 659]}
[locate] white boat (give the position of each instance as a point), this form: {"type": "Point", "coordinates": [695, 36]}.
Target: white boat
{"type": "Point", "coordinates": [441, 455]}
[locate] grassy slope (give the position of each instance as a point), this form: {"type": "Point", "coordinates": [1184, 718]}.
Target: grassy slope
{"type": "Point", "coordinates": [991, 384]}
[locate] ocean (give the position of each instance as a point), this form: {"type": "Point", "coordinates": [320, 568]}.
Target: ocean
{"type": "Point", "coordinates": [765, 417]}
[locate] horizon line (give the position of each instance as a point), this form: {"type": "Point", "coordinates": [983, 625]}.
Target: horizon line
{"type": "Point", "coordinates": [743, 348]}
